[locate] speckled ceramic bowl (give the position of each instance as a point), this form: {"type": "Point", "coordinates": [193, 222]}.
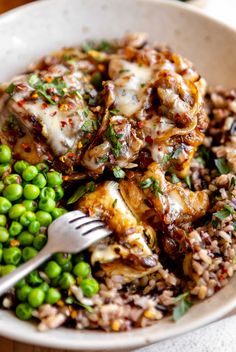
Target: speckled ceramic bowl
{"type": "Point", "coordinates": [36, 29]}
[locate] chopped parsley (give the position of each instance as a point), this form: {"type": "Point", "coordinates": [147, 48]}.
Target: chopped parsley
{"type": "Point", "coordinates": [114, 203]}
{"type": "Point", "coordinates": [224, 213]}
{"type": "Point", "coordinates": [232, 182]}
{"type": "Point", "coordinates": [124, 70]}
{"type": "Point", "coordinates": [81, 191]}
{"type": "Point", "coordinates": [151, 183]}
{"type": "Point", "coordinates": [174, 155]}
{"type": "Point", "coordinates": [204, 155]}
{"type": "Point", "coordinates": [118, 172]}
{"type": "Point", "coordinates": [188, 182]}
{"type": "Point", "coordinates": [113, 138]}
{"type": "Point", "coordinates": [174, 179]}
{"type": "Point", "coordinates": [105, 46]}
{"type": "Point", "coordinates": [89, 126]}
{"type": "Point", "coordinates": [222, 166]}
{"type": "Point", "coordinates": [103, 159]}
{"type": "Point", "coordinates": [10, 89]}
{"type": "Point", "coordinates": [114, 111]}
{"type": "Point", "coordinates": [184, 304]}
{"type": "Point", "coordinates": [42, 87]}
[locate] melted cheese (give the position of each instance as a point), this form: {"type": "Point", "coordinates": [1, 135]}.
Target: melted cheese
{"type": "Point", "coordinates": [129, 82]}
{"type": "Point", "coordinates": [60, 126]}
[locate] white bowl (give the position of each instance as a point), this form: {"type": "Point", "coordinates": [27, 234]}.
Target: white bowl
{"type": "Point", "coordinates": [29, 32]}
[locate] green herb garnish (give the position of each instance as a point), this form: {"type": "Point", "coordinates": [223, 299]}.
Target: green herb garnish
{"type": "Point", "coordinates": [118, 172]}
{"type": "Point", "coordinates": [151, 183]}
{"type": "Point", "coordinates": [188, 182]}
{"type": "Point", "coordinates": [184, 304]}
{"type": "Point", "coordinates": [222, 166]}
{"type": "Point", "coordinates": [89, 126]}
{"type": "Point", "coordinates": [10, 89]}
{"type": "Point", "coordinates": [114, 203]}
{"type": "Point", "coordinates": [113, 138]}
{"type": "Point", "coordinates": [42, 87]}
{"type": "Point", "coordinates": [114, 111]}
{"type": "Point", "coordinates": [174, 155]}
{"type": "Point", "coordinates": [224, 213]}
{"type": "Point", "coordinates": [174, 179]}
{"type": "Point", "coordinates": [81, 191]}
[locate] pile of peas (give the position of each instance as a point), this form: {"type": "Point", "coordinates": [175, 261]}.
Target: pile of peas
{"type": "Point", "coordinates": [29, 195]}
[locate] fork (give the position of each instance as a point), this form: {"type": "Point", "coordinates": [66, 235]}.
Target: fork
{"type": "Point", "coordinates": [72, 232]}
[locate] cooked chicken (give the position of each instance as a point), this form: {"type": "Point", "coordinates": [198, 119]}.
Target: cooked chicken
{"type": "Point", "coordinates": [149, 99]}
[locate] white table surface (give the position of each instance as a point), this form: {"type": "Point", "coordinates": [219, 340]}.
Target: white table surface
{"type": "Point", "coordinates": [221, 335]}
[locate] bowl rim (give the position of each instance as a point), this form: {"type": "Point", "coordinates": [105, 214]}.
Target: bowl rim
{"type": "Point", "coordinates": [143, 336]}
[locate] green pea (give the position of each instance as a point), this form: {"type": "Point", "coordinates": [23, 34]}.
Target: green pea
{"type": "Point", "coordinates": [20, 166]}
{"type": "Point", "coordinates": [44, 286]}
{"type": "Point", "coordinates": [36, 297]}
{"type": "Point", "coordinates": [82, 270]}
{"type": "Point", "coordinates": [20, 283]}
{"type": "Point", "coordinates": [34, 227]}
{"type": "Point", "coordinates": [15, 228]}
{"type": "Point", "coordinates": [44, 218]}
{"type": "Point", "coordinates": [12, 178]}
{"type": "Point", "coordinates": [62, 258]}
{"type": "Point", "coordinates": [89, 287]}
{"type": "Point", "coordinates": [6, 269]}
{"type": "Point", "coordinates": [31, 192]}
{"type": "Point", "coordinates": [52, 296]}
{"type": "Point", "coordinates": [5, 205]}
{"type": "Point", "coordinates": [47, 204]}
{"type": "Point", "coordinates": [29, 173]}
{"type": "Point", "coordinates": [24, 311]}
{"type": "Point", "coordinates": [4, 234]}
{"type": "Point", "coordinates": [3, 220]}
{"type": "Point", "coordinates": [57, 212]}
{"type": "Point", "coordinates": [40, 181]}
{"type": "Point", "coordinates": [13, 192]}
{"type": "Point", "coordinates": [42, 167]}
{"type": "Point", "coordinates": [16, 211]}
{"type": "Point", "coordinates": [54, 178]}
{"type": "Point", "coordinates": [30, 205]}
{"type": "Point", "coordinates": [23, 292]}
{"type": "Point", "coordinates": [5, 154]}
{"type": "Point", "coordinates": [52, 269]}
{"type": "Point", "coordinates": [66, 281]}
{"type": "Point", "coordinates": [47, 192]}
{"type": "Point", "coordinates": [59, 192]}
{"type": "Point", "coordinates": [2, 186]}
{"type": "Point", "coordinates": [12, 255]}
{"type": "Point", "coordinates": [34, 279]}
{"type": "Point", "coordinates": [25, 238]}
{"type": "Point", "coordinates": [39, 241]}
{"type": "Point", "coordinates": [28, 253]}
{"type": "Point", "coordinates": [4, 169]}
{"type": "Point", "coordinates": [27, 218]}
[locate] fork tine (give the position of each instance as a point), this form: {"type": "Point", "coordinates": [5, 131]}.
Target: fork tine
{"type": "Point", "coordinates": [88, 224]}
{"type": "Point", "coordinates": [99, 232]}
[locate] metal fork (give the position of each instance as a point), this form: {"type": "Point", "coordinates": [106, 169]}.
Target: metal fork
{"type": "Point", "coordinates": [72, 232]}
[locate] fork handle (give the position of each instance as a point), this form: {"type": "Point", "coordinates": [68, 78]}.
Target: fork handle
{"type": "Point", "coordinates": [16, 275]}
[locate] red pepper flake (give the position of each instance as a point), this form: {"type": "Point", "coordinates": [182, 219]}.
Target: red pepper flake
{"type": "Point", "coordinates": [50, 157]}
{"type": "Point", "coordinates": [21, 102]}
{"type": "Point", "coordinates": [149, 139]}
{"type": "Point", "coordinates": [70, 122]}
{"type": "Point", "coordinates": [44, 106]}
{"type": "Point", "coordinates": [130, 174]}
{"type": "Point", "coordinates": [63, 123]}
{"type": "Point", "coordinates": [65, 178]}
{"type": "Point", "coordinates": [53, 113]}
{"type": "Point", "coordinates": [140, 124]}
